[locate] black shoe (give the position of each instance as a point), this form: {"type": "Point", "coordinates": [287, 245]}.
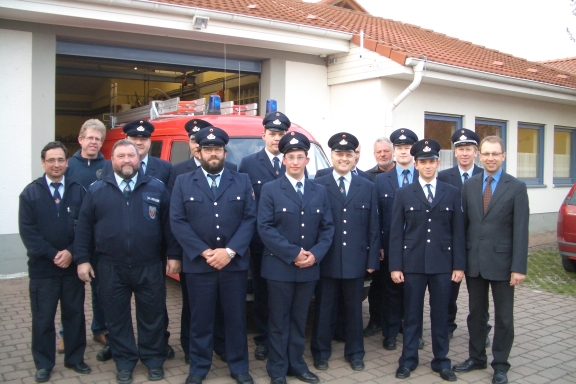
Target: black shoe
{"type": "Point", "coordinates": [499, 377]}
{"type": "Point", "coordinates": [403, 372]}
{"type": "Point", "coordinates": [487, 344]}
{"type": "Point", "coordinates": [79, 368]}
{"type": "Point", "coordinates": [187, 359]}
{"type": "Point", "coordinates": [105, 354]}
{"type": "Point", "coordinates": [308, 377]}
{"type": "Point", "coordinates": [194, 379]}
{"type": "Point", "coordinates": [169, 352]}
{"type": "Point", "coordinates": [124, 377]}
{"type": "Point", "coordinates": [278, 380]}
{"type": "Point", "coordinates": [371, 329]}
{"type": "Point", "coordinates": [467, 366]}
{"type": "Point", "coordinates": [222, 356]}
{"type": "Point", "coordinates": [357, 365]}
{"type": "Point", "coordinates": [42, 375]}
{"type": "Point", "coordinates": [447, 374]}
{"type": "Point", "coordinates": [155, 374]}
{"type": "Point", "coordinates": [261, 352]}
{"type": "Point", "coordinates": [243, 378]}
{"type": "Point", "coordinates": [420, 343]}
{"type": "Point", "coordinates": [389, 343]}
{"type": "Point", "coordinates": [321, 364]}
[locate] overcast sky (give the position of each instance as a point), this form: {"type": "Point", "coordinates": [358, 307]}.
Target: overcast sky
{"type": "Point", "coordinates": [531, 29]}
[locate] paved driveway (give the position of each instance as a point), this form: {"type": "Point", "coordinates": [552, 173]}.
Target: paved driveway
{"type": "Point", "coordinates": [544, 348]}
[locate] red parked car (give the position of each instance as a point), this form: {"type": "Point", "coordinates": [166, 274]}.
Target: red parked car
{"type": "Point", "coordinates": [566, 231]}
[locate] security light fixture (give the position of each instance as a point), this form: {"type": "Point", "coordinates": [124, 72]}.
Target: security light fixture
{"type": "Point", "coordinates": [200, 22]}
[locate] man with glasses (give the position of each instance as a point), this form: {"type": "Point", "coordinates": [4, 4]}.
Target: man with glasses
{"type": "Point", "coordinates": [47, 218]}
{"type": "Point", "coordinates": [124, 223]}
{"type": "Point", "coordinates": [295, 225]}
{"type": "Point", "coordinates": [465, 150]}
{"type": "Point", "coordinates": [85, 167]}
{"type": "Point", "coordinates": [496, 213]}
{"type": "Point", "coordinates": [213, 216]}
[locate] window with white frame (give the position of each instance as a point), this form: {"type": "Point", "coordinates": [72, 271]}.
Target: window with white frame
{"type": "Point", "coordinates": [441, 128]}
{"type": "Point", "coordinates": [531, 153]}
{"type": "Point", "coordinates": [564, 158]}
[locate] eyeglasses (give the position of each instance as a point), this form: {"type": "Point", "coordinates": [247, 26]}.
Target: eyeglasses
{"type": "Point", "coordinates": [52, 161]}
{"type": "Point", "coordinates": [297, 158]}
{"type": "Point", "coordinates": [491, 154]}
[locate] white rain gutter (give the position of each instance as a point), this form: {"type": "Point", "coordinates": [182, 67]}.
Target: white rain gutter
{"type": "Point", "coordinates": [418, 67]}
{"type": "Point", "coordinates": [155, 6]}
{"type": "Point", "coordinates": [480, 75]}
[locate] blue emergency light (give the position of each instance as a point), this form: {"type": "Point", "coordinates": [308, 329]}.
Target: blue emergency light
{"type": "Point", "coordinates": [214, 105]}
{"type": "Point", "coordinates": [271, 106]}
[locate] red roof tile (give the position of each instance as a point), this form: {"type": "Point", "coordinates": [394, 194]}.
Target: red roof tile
{"type": "Point", "coordinates": [399, 39]}
{"type": "Point", "coordinates": [567, 65]}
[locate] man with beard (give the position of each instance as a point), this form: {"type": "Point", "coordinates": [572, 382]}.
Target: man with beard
{"type": "Point", "coordinates": [124, 223]}
{"type": "Point", "coordinates": [213, 216]}
{"type": "Point", "coordinates": [295, 225]}
{"type": "Point", "coordinates": [384, 156]}
{"type": "Point", "coordinates": [192, 127]}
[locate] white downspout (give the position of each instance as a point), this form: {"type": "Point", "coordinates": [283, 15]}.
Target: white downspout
{"type": "Point", "coordinates": [389, 117]}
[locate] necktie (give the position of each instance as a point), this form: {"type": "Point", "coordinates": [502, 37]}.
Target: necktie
{"type": "Point", "coordinates": [276, 165]}
{"type": "Point", "coordinates": [214, 186]}
{"type": "Point", "coordinates": [341, 186]}
{"type": "Point", "coordinates": [127, 191]}
{"type": "Point", "coordinates": [430, 195]}
{"type": "Point", "coordinates": [57, 196]}
{"type": "Point", "coordinates": [465, 176]}
{"type": "Point", "coordinates": [143, 166]}
{"type": "Point", "coordinates": [487, 193]}
{"type": "Point", "coordinates": [299, 190]}
{"type": "Point", "coordinates": [405, 180]}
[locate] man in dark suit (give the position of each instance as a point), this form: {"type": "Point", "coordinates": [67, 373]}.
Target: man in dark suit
{"type": "Point", "coordinates": [192, 127]}
{"type": "Point", "coordinates": [496, 213]}
{"type": "Point", "coordinates": [384, 156]}
{"type": "Point", "coordinates": [262, 167]}
{"type": "Point", "coordinates": [387, 183]}
{"type": "Point", "coordinates": [213, 217]}
{"type": "Point", "coordinates": [427, 250]}
{"type": "Point", "coordinates": [124, 224]}
{"type": "Point", "coordinates": [295, 225]}
{"type": "Point", "coordinates": [354, 251]}
{"type": "Point", "coordinates": [465, 150]}
{"type": "Point", "coordinates": [47, 218]}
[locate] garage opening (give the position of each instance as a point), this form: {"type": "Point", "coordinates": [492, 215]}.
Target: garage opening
{"type": "Point", "coordinates": [94, 80]}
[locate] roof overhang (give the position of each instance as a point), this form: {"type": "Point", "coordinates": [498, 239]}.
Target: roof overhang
{"type": "Point", "coordinates": [154, 18]}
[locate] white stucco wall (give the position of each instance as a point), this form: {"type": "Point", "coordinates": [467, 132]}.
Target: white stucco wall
{"type": "Point", "coordinates": [15, 104]}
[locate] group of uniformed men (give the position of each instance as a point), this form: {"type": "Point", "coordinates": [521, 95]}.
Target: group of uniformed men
{"type": "Point", "coordinates": [125, 223]}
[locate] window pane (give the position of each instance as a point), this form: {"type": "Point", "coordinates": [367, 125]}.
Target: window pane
{"type": "Point", "coordinates": [442, 131]}
{"type": "Point", "coordinates": [484, 130]}
{"type": "Point", "coordinates": [562, 151]}
{"type": "Point", "coordinates": [317, 160]}
{"type": "Point", "coordinates": [180, 152]}
{"type": "Point", "coordinates": [156, 149]}
{"type": "Point", "coordinates": [527, 153]}
{"type": "Point", "coordinates": [240, 147]}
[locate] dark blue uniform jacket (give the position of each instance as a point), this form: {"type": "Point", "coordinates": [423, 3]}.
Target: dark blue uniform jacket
{"type": "Point", "coordinates": [427, 238]}
{"type": "Point", "coordinates": [85, 171]}
{"type": "Point", "coordinates": [356, 243]}
{"type": "Point", "coordinates": [44, 232]}
{"type": "Point", "coordinates": [286, 225]}
{"type": "Point", "coordinates": [124, 232]}
{"type": "Point", "coordinates": [202, 221]}
{"type": "Point", "coordinates": [452, 175]}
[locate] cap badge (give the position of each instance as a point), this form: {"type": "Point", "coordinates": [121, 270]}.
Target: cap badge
{"type": "Point", "coordinates": [426, 142]}
{"type": "Point", "coordinates": [426, 149]}
{"type": "Point", "coordinates": [343, 142]}
{"type": "Point", "coordinates": [463, 137]}
{"type": "Point", "coordinates": [401, 131]}
{"type": "Point", "coordinates": [343, 136]}
{"type": "Point", "coordinates": [141, 122]}
{"type": "Point", "coordinates": [292, 133]}
{"type": "Point", "coordinates": [462, 131]}
{"type": "Point", "coordinates": [276, 122]}
{"type": "Point", "coordinates": [195, 129]}
{"type": "Point", "coordinates": [211, 130]}
{"type": "Point", "coordinates": [294, 141]}
{"type": "Point", "coordinates": [140, 129]}
{"type": "Point", "coordinates": [211, 136]}
{"type": "Point", "coordinates": [402, 137]}
{"type": "Point", "coordinates": [277, 113]}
